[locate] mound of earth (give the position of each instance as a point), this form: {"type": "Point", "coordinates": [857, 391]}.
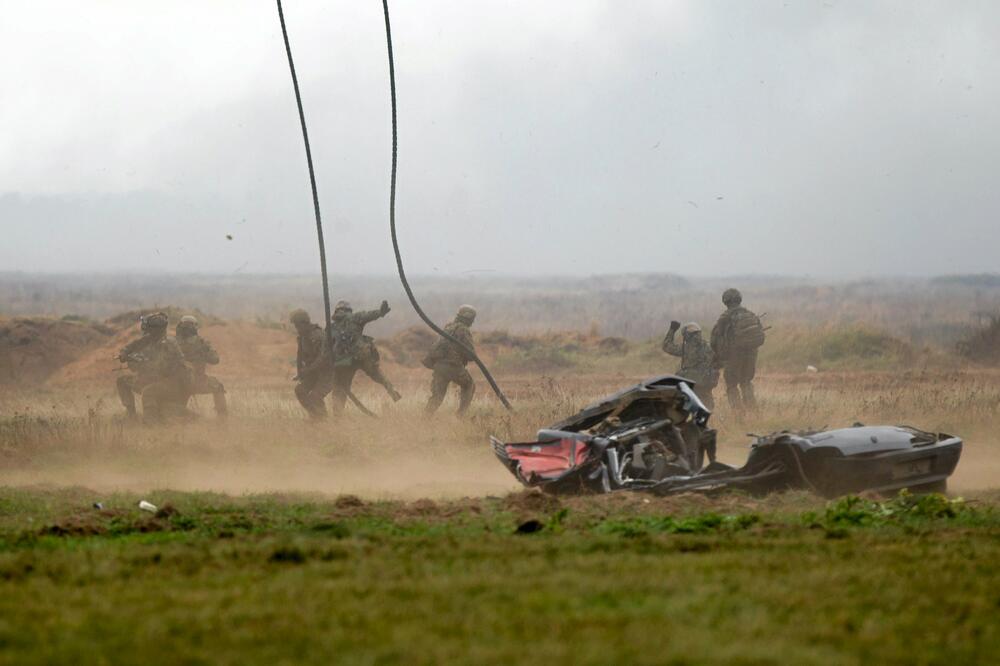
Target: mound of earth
{"type": "Point", "coordinates": [32, 349]}
{"type": "Point", "coordinates": [127, 319]}
{"type": "Point", "coordinates": [246, 350]}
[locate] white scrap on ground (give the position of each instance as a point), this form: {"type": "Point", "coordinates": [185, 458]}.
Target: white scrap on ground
{"type": "Point", "coordinates": [146, 506]}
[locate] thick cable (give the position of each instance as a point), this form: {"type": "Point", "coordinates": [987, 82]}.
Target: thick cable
{"type": "Point", "coordinates": [315, 198]}
{"type": "Point", "coordinates": [392, 224]}
{"type": "Point", "coordinates": [312, 177]}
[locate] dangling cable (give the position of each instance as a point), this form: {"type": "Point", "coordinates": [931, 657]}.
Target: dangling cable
{"type": "Point", "coordinates": [392, 220]}
{"type": "Point", "coordinates": [315, 196]}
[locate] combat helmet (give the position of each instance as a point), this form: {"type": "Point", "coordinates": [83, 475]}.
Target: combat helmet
{"type": "Point", "coordinates": [342, 306]}
{"type": "Point", "coordinates": [731, 297]}
{"type": "Point", "coordinates": [466, 315]}
{"type": "Point", "coordinates": [188, 324]}
{"type": "Point", "coordinates": [157, 321]}
{"type": "Point", "coordinates": [690, 328]}
{"type": "Point", "coordinates": [299, 317]}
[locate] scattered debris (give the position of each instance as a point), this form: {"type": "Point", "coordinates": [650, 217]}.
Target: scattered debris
{"type": "Point", "coordinates": [146, 506]}
{"type": "Point", "coordinates": [812, 368]}
{"type": "Point", "coordinates": [99, 506]}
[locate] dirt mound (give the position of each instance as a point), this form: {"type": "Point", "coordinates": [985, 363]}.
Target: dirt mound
{"type": "Point", "coordinates": [408, 347]}
{"type": "Point", "coordinates": [32, 349]}
{"type": "Point", "coordinates": [246, 349]}
{"type": "Point", "coordinates": [128, 319]}
{"type": "Point", "coordinates": [531, 501]}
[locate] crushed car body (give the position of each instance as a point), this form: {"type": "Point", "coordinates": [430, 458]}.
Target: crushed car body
{"type": "Point", "coordinates": [654, 437]}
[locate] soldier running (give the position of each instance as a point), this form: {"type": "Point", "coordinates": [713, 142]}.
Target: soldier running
{"type": "Point", "coordinates": [198, 352]}
{"type": "Point", "coordinates": [161, 376]}
{"type": "Point", "coordinates": [736, 337]}
{"type": "Point", "coordinates": [315, 373]}
{"type": "Point", "coordinates": [697, 360]}
{"type": "Point", "coordinates": [448, 361]}
{"type": "Point", "coordinates": [356, 351]}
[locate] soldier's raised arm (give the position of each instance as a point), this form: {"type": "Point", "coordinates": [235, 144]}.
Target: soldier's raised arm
{"type": "Point", "coordinates": [368, 316]}
{"type": "Point", "coordinates": [670, 345]}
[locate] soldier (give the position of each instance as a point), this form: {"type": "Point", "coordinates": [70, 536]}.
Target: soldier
{"type": "Point", "coordinates": [697, 360]}
{"type": "Point", "coordinates": [736, 337]}
{"type": "Point", "coordinates": [198, 352]}
{"type": "Point", "coordinates": [161, 376]}
{"type": "Point", "coordinates": [448, 361]}
{"type": "Point", "coordinates": [312, 361]}
{"type": "Point", "coordinates": [355, 350]}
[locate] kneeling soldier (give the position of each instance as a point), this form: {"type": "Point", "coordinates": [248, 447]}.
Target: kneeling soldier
{"type": "Point", "coordinates": [161, 377]}
{"type": "Point", "coordinates": [198, 352]}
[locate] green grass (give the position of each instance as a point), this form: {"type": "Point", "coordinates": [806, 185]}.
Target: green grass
{"type": "Point", "coordinates": [289, 579]}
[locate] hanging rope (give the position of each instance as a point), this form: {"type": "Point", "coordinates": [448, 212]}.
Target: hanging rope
{"type": "Point", "coordinates": [315, 197]}
{"type": "Point", "coordinates": [392, 220]}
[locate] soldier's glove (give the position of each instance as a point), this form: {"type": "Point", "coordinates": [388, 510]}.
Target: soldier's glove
{"type": "Point", "coordinates": [674, 325]}
{"type": "Point", "coordinates": [384, 309]}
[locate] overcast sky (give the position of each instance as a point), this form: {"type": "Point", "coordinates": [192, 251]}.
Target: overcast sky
{"type": "Point", "coordinates": [704, 138]}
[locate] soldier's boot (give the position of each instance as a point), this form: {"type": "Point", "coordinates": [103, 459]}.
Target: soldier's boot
{"type": "Point", "coordinates": [374, 371]}
{"type": "Point", "coordinates": [127, 396]}
{"type": "Point", "coordinates": [733, 396]}
{"type": "Point", "coordinates": [438, 394]}
{"type": "Point", "coordinates": [465, 398]}
{"type": "Point", "coordinates": [341, 384]}
{"type": "Point", "coordinates": [315, 408]}
{"type": "Point", "coordinates": [221, 407]}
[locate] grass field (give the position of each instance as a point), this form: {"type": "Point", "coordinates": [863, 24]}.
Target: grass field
{"type": "Point", "coordinates": [621, 579]}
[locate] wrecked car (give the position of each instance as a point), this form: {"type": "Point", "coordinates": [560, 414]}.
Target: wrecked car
{"type": "Point", "coordinates": [655, 437]}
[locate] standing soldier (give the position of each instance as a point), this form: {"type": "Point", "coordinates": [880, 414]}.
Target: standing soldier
{"type": "Point", "coordinates": [161, 376]}
{"type": "Point", "coordinates": [736, 338]}
{"type": "Point", "coordinates": [355, 350]}
{"type": "Point", "coordinates": [448, 361]}
{"type": "Point", "coordinates": [697, 360]}
{"type": "Point", "coordinates": [312, 361]}
{"type": "Point", "coordinates": [198, 352]}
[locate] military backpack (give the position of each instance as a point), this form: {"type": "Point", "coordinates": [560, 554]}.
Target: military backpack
{"type": "Point", "coordinates": [746, 331]}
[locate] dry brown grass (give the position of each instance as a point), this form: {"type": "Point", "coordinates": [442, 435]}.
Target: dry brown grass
{"type": "Point", "coordinates": [76, 437]}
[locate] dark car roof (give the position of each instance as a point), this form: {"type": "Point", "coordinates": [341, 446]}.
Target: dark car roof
{"type": "Point", "coordinates": [607, 402]}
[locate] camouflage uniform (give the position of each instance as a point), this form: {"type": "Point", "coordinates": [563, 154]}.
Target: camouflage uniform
{"type": "Point", "coordinates": [161, 375]}
{"type": "Point", "coordinates": [739, 364]}
{"type": "Point", "coordinates": [198, 352]}
{"type": "Point", "coordinates": [315, 375]}
{"type": "Point", "coordinates": [448, 362]}
{"type": "Point", "coordinates": [697, 360]}
{"type": "Point", "coordinates": [355, 350]}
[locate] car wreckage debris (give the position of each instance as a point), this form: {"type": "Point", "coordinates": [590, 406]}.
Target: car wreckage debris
{"type": "Point", "coordinates": [654, 437]}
